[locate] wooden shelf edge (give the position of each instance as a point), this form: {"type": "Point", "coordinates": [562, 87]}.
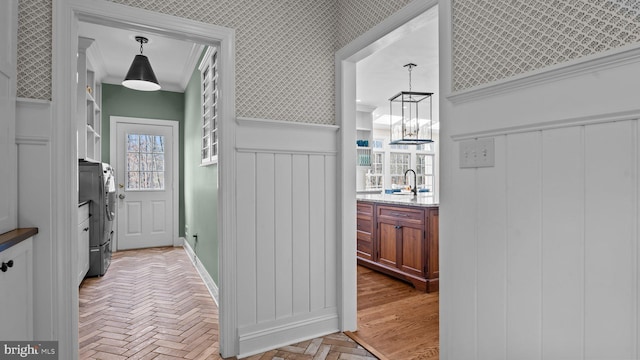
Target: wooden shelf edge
{"type": "Point", "coordinates": [16, 236]}
{"type": "Point", "coordinates": [355, 337]}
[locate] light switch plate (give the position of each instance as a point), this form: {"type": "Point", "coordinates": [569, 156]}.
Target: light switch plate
{"type": "Point", "coordinates": [467, 154]}
{"type": "Point", "coordinates": [486, 153]}
{"type": "Point", "coordinates": [477, 153]}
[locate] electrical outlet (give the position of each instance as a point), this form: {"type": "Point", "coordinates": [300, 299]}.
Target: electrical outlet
{"type": "Point", "coordinates": [186, 229]}
{"type": "Point", "coordinates": [477, 153]}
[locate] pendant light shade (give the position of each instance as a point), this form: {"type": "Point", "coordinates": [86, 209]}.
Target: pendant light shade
{"type": "Point", "coordinates": [410, 116]}
{"type": "Point", "coordinates": [140, 75]}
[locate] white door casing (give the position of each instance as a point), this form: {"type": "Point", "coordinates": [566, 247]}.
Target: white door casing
{"type": "Point", "coordinates": [66, 14]}
{"type": "Point", "coordinates": [144, 154]}
{"type": "Point", "coordinates": [345, 65]}
{"type": "Point", "coordinates": [8, 149]}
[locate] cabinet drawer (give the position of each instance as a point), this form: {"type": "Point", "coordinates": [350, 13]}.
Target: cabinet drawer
{"type": "Point", "coordinates": [403, 214]}
{"type": "Point", "coordinates": [365, 209]}
{"type": "Point", "coordinates": [365, 225]}
{"type": "Point", "coordinates": [83, 213]}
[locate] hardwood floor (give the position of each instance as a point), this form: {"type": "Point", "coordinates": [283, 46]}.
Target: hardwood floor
{"type": "Point", "coordinates": [397, 320]}
{"type": "Point", "coordinates": [152, 304]}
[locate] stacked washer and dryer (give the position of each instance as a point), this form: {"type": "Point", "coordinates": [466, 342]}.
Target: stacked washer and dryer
{"type": "Point", "coordinates": [97, 185]}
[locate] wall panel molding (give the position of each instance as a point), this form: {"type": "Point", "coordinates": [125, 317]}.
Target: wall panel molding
{"type": "Point", "coordinates": [581, 66]}
{"type": "Point", "coordinates": [33, 118]}
{"type": "Point", "coordinates": [274, 136]}
{"type": "Point", "coordinates": [255, 339]}
{"type": "Point", "coordinates": [286, 227]}
{"type": "Point", "coordinates": [561, 209]}
{"type": "Point", "coordinates": [552, 124]}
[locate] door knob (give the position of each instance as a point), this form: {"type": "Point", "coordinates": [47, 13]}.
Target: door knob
{"type": "Point", "coordinates": [122, 196]}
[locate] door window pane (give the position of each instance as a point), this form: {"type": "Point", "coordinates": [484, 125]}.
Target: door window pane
{"type": "Point", "coordinates": [145, 162]}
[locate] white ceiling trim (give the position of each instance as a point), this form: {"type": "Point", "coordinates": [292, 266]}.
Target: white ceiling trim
{"type": "Point", "coordinates": [190, 64]}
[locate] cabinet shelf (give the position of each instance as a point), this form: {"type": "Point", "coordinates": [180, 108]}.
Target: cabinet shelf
{"type": "Point", "coordinates": [88, 113]}
{"type": "Point", "coordinates": [363, 156]}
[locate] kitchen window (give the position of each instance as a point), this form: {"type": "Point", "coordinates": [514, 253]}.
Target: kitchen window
{"type": "Point", "coordinates": [398, 164]}
{"type": "Point", "coordinates": [376, 175]}
{"type": "Point", "coordinates": [209, 87]}
{"type": "Point", "coordinates": [425, 171]}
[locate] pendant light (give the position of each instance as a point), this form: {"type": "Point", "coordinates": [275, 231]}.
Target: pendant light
{"type": "Point", "coordinates": [410, 116]}
{"type": "Point", "coordinates": [140, 75]}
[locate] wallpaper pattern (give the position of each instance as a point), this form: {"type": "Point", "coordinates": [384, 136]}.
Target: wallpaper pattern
{"type": "Point", "coordinates": [355, 17]}
{"type": "Point", "coordinates": [284, 52]}
{"type": "Point", "coordinates": [34, 49]}
{"type": "Point", "coordinates": [285, 49]}
{"type": "Point", "coordinates": [497, 39]}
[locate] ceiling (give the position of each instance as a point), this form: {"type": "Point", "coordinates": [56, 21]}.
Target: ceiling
{"type": "Point", "coordinates": [172, 60]}
{"type": "Point", "coordinates": [382, 74]}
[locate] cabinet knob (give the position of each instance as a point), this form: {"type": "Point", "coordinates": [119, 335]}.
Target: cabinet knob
{"type": "Point", "coordinates": [398, 226]}
{"type": "Point", "coordinates": [6, 265]}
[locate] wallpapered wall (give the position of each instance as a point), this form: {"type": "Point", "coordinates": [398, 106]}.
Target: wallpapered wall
{"type": "Point", "coordinates": [497, 39]}
{"type": "Point", "coordinates": [284, 52]}
{"type": "Point", "coordinates": [284, 68]}
{"type": "Point", "coordinates": [355, 17]}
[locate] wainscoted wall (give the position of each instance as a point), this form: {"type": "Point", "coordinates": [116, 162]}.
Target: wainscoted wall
{"type": "Point", "coordinates": [540, 253]}
{"type": "Point", "coordinates": [33, 131]}
{"type": "Point", "coordinates": [286, 233]}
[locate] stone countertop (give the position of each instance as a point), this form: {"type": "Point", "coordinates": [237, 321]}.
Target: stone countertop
{"type": "Point", "coordinates": [403, 199]}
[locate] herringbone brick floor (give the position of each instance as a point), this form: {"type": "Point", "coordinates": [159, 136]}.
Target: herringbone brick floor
{"type": "Point", "coordinates": [152, 304]}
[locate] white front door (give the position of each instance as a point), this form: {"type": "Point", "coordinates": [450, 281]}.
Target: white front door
{"type": "Point", "coordinates": [144, 165]}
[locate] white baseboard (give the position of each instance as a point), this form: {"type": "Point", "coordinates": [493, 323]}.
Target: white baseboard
{"type": "Point", "coordinates": [208, 281]}
{"type": "Point", "coordinates": [255, 339]}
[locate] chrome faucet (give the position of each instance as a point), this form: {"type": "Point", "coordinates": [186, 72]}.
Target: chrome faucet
{"type": "Point", "coordinates": [414, 190]}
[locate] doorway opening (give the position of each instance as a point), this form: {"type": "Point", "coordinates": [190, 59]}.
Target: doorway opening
{"type": "Point", "coordinates": [375, 62]}
{"type": "Point", "coordinates": [67, 16]}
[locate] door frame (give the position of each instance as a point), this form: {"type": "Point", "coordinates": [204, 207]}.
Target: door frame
{"type": "Point", "coordinates": [345, 67]}
{"type": "Point", "coordinates": [175, 177]}
{"type": "Point", "coordinates": [66, 15]}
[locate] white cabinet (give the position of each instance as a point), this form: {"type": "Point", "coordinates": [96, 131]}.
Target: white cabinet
{"type": "Point", "coordinates": [89, 91]}
{"type": "Point", "coordinates": [83, 242]}
{"type": "Point", "coordinates": [16, 294]}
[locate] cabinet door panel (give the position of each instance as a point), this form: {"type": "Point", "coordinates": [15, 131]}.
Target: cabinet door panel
{"type": "Point", "coordinates": [388, 243]}
{"type": "Point", "coordinates": [16, 322]}
{"type": "Point", "coordinates": [412, 251]}
{"type": "Point", "coordinates": [433, 240]}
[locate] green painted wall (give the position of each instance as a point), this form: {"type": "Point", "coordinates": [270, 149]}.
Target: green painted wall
{"type": "Point", "coordinates": [164, 105]}
{"type": "Point", "coordinates": [201, 185]}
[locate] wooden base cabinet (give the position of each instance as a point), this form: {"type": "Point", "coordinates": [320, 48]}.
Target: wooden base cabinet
{"type": "Point", "coordinates": [365, 234]}
{"type": "Point", "coordinates": [405, 243]}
